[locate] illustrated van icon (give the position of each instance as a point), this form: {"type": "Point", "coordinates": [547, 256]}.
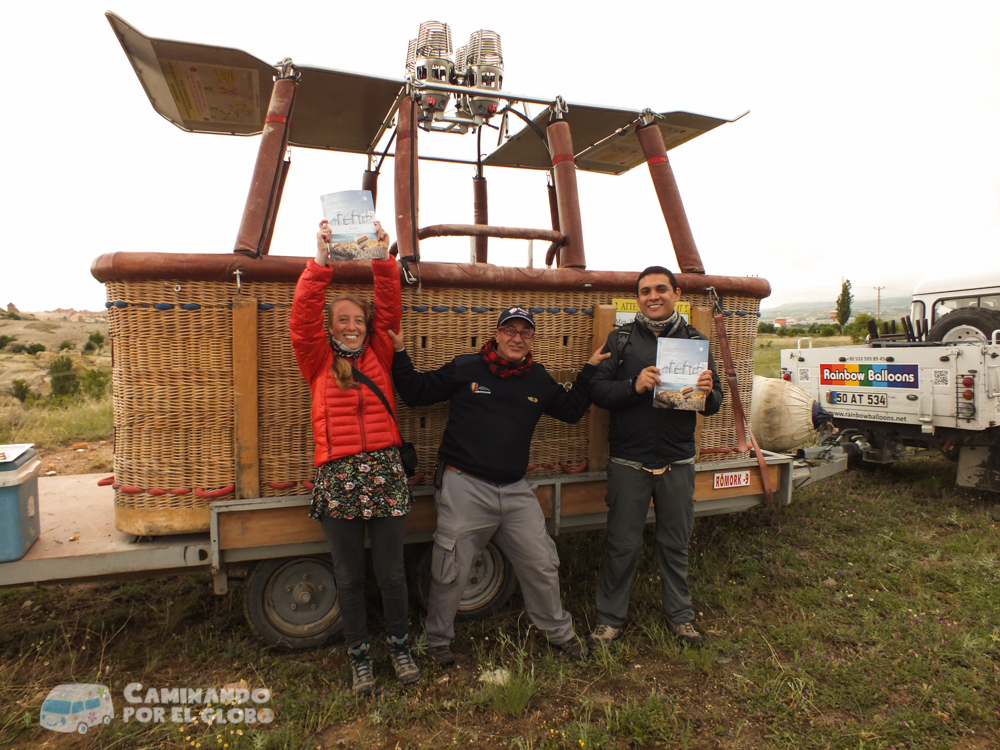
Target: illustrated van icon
{"type": "Point", "coordinates": [76, 708]}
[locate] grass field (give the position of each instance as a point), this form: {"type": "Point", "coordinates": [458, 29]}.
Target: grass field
{"type": "Point", "coordinates": [864, 615]}
{"type": "Point", "coordinates": [766, 361]}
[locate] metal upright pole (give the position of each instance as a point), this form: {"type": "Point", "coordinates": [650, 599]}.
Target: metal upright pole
{"type": "Point", "coordinates": [407, 184]}
{"type": "Point", "coordinates": [572, 254]}
{"type": "Point", "coordinates": [253, 237]}
{"type": "Point", "coordinates": [651, 141]}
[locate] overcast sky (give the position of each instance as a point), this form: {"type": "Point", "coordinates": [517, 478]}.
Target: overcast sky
{"type": "Point", "coordinates": [871, 150]}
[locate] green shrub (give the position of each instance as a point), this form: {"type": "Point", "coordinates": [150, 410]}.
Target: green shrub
{"type": "Point", "coordinates": [96, 339]}
{"type": "Point", "coordinates": [64, 380]}
{"type": "Point", "coordinates": [22, 391]}
{"type": "Point", "coordinates": [67, 344]}
{"type": "Point", "coordinates": [95, 383]}
{"type": "Point", "coordinates": [35, 348]}
{"type": "Point", "coordinates": [17, 348]}
{"type": "Point", "coordinates": [765, 328]}
{"type": "Point", "coordinates": [4, 340]}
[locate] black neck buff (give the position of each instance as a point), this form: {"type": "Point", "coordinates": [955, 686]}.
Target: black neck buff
{"type": "Point", "coordinates": [342, 351]}
{"type": "Point", "coordinates": [500, 366]}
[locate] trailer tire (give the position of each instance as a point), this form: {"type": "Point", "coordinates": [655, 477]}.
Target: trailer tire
{"type": "Point", "coordinates": [969, 323]}
{"type": "Point", "coordinates": [291, 602]}
{"type": "Point", "coordinates": [490, 584]}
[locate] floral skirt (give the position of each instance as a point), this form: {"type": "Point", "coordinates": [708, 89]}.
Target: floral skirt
{"type": "Point", "coordinates": [366, 485]}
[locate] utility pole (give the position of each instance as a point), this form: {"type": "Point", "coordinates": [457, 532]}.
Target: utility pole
{"type": "Point", "coordinates": [878, 292]}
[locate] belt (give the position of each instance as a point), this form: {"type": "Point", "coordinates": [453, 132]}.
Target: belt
{"type": "Point", "coordinates": [455, 469]}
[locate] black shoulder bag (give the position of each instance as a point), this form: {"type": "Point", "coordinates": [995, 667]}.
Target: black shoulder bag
{"type": "Point", "coordinates": [407, 453]}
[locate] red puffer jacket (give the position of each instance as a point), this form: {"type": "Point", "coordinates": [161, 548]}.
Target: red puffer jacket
{"type": "Point", "coordinates": [348, 421]}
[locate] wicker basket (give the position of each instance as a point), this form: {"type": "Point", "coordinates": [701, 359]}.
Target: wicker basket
{"type": "Point", "coordinates": [173, 386]}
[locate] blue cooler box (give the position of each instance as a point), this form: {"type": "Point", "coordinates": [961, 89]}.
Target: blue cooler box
{"type": "Point", "coordinates": [18, 500]}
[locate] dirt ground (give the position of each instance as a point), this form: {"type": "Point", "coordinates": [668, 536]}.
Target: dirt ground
{"type": "Point", "coordinates": [87, 458]}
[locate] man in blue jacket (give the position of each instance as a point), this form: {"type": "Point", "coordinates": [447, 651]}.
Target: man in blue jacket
{"type": "Point", "coordinates": [496, 398]}
{"type": "Point", "coordinates": [652, 454]}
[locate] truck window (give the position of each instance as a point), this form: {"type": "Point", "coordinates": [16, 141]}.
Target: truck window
{"type": "Point", "coordinates": [991, 302]}
{"type": "Point", "coordinates": [92, 703]}
{"type": "Point", "coordinates": [945, 306]}
{"type": "Point", "coordinates": [77, 707]}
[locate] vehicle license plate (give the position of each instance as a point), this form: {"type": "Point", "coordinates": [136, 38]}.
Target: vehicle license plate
{"type": "Point", "coordinates": [850, 398]}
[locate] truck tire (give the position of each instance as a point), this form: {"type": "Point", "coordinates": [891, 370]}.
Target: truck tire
{"type": "Point", "coordinates": [969, 323]}
{"type": "Point", "coordinates": [490, 584]}
{"type": "Point", "coordinates": [291, 602]}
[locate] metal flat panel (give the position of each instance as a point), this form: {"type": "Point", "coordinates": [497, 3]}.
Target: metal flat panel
{"type": "Point", "coordinates": [199, 88]}
{"type": "Point", "coordinates": [588, 124]}
{"type": "Point", "coordinates": [340, 111]}
{"type": "Point", "coordinates": [601, 140]}
{"type": "Point", "coordinates": [202, 88]}
{"type": "Point", "coordinates": [621, 152]}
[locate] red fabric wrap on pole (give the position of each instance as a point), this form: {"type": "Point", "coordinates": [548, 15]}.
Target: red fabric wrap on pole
{"type": "Point", "coordinates": [572, 254]}
{"type": "Point", "coordinates": [651, 141]}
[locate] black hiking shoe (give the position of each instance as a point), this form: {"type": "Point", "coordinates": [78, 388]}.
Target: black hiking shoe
{"type": "Point", "coordinates": [442, 655]}
{"type": "Point", "coordinates": [362, 675]}
{"type": "Point", "coordinates": [407, 670]}
{"type": "Point", "coordinates": [573, 648]}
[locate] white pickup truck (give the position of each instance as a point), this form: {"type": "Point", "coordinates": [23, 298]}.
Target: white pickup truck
{"type": "Point", "coordinates": [934, 387]}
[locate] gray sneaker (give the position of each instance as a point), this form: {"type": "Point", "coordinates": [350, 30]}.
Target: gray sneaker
{"type": "Point", "coordinates": [604, 634]}
{"type": "Point", "coordinates": [442, 655]}
{"type": "Point", "coordinates": [362, 675]}
{"type": "Point", "coordinates": [685, 633]}
{"type": "Point", "coordinates": [407, 670]}
{"type": "Point", "coordinates": [573, 648]}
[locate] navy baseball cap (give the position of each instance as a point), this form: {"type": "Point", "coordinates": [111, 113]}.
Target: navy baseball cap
{"type": "Point", "coordinates": [515, 312]}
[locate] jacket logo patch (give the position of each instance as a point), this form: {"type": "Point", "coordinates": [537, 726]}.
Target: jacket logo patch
{"type": "Point", "coordinates": [476, 388]}
{"type": "Point", "coordinates": [532, 399]}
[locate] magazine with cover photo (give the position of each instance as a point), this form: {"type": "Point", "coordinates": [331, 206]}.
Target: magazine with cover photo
{"type": "Point", "coordinates": [680, 362]}
{"type": "Point", "coordinates": [351, 215]}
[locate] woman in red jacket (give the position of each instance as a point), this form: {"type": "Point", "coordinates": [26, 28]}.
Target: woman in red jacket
{"type": "Point", "coordinates": [360, 482]}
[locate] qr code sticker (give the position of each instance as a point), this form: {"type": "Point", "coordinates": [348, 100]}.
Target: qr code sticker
{"type": "Point", "coordinates": [803, 374]}
{"type": "Point", "coordinates": [942, 377]}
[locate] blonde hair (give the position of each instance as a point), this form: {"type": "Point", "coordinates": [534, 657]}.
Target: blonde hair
{"type": "Point", "coordinates": [342, 365]}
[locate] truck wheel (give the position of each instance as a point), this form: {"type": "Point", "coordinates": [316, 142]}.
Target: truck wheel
{"type": "Point", "coordinates": [291, 602]}
{"type": "Point", "coordinates": [969, 323]}
{"type": "Point", "coordinates": [490, 584]}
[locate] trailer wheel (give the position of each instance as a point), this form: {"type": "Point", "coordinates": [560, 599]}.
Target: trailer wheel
{"type": "Point", "coordinates": [491, 582]}
{"type": "Point", "coordinates": [291, 602]}
{"type": "Point", "coordinates": [969, 323]}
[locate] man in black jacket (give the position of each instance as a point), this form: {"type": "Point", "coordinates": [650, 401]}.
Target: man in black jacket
{"type": "Point", "coordinates": [652, 454]}
{"type": "Point", "coordinates": [496, 398]}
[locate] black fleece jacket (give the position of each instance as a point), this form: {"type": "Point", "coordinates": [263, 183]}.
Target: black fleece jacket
{"type": "Point", "coordinates": [490, 419]}
{"type": "Point", "coordinates": [640, 432]}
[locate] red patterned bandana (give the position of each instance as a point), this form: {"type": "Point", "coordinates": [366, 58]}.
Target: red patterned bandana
{"type": "Point", "coordinates": [500, 366]}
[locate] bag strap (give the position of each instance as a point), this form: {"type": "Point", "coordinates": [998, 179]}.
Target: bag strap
{"type": "Point", "coordinates": [362, 378]}
{"type": "Point", "coordinates": [734, 391]}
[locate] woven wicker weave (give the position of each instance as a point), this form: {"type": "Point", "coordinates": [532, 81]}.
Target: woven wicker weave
{"type": "Point", "coordinates": [173, 386]}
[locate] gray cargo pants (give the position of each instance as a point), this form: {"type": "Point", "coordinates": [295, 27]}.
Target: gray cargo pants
{"type": "Point", "coordinates": [470, 512]}
{"type": "Point", "coordinates": [629, 491]}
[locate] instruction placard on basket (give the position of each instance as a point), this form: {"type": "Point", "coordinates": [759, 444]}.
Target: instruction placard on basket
{"type": "Point", "coordinates": [351, 214]}
{"type": "Point", "coordinates": [680, 362]}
